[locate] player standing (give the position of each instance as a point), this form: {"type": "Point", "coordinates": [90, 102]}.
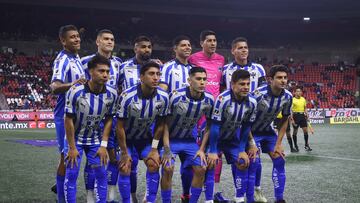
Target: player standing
{"type": "Point", "coordinates": [105, 42]}
{"type": "Point", "coordinates": [271, 99]}
{"type": "Point", "coordinates": [139, 107]}
{"type": "Point", "coordinates": [86, 107]}
{"type": "Point", "coordinates": [67, 71]}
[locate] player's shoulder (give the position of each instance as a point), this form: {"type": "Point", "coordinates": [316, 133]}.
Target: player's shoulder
{"type": "Point", "coordinates": [86, 59]}
{"type": "Point", "coordinates": [209, 97]}
{"type": "Point", "coordinates": [252, 99]}
{"type": "Point", "coordinates": [162, 92]}
{"type": "Point", "coordinates": [128, 62]}
{"type": "Point", "coordinates": [131, 91]}
{"type": "Point", "coordinates": [224, 96]}
{"type": "Point", "coordinates": [77, 88]}
{"type": "Point", "coordinates": [117, 59]}
{"type": "Point", "coordinates": [260, 91]}
{"type": "Point", "coordinates": [219, 56]}
{"type": "Point", "coordinates": [227, 66]}
{"type": "Point", "coordinates": [178, 93]}
{"type": "Point", "coordinates": [111, 89]}
{"type": "Point", "coordinates": [169, 63]}
{"type": "Point", "coordinates": [288, 94]}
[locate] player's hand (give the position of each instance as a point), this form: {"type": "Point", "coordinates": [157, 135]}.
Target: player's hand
{"type": "Point", "coordinates": [243, 160]}
{"type": "Point", "coordinates": [124, 163]}
{"type": "Point", "coordinates": [202, 156]}
{"type": "Point", "coordinates": [103, 154]}
{"type": "Point", "coordinates": [252, 151]}
{"type": "Point", "coordinates": [158, 61]}
{"type": "Point", "coordinates": [80, 81]}
{"type": "Point", "coordinates": [279, 150]}
{"type": "Point", "coordinates": [167, 157]}
{"type": "Point", "coordinates": [212, 159]}
{"type": "Point", "coordinates": [154, 155]}
{"type": "Point", "coordinates": [72, 156]}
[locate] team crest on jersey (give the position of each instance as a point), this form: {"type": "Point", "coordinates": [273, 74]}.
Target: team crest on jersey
{"type": "Point", "coordinates": [257, 93]}
{"type": "Point", "coordinates": [174, 92]}
{"type": "Point", "coordinates": [220, 98]}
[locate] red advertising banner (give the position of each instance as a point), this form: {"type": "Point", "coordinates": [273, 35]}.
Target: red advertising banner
{"type": "Point", "coordinates": [13, 125]}
{"type": "Point", "coordinates": [26, 115]}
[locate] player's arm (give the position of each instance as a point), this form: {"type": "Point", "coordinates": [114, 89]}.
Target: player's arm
{"type": "Point", "coordinates": [252, 150]}
{"type": "Point", "coordinates": [278, 146]}
{"type": "Point", "coordinates": [102, 152]}
{"type": "Point", "coordinates": [125, 160]}
{"type": "Point", "coordinates": [57, 87]}
{"type": "Point", "coordinates": [73, 153]}
{"type": "Point", "coordinates": [213, 139]}
{"type": "Point", "coordinates": [201, 152]}
{"type": "Point", "coordinates": [159, 132]}
{"type": "Point", "coordinates": [166, 158]}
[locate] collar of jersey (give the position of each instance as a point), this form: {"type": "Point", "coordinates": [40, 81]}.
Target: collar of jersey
{"type": "Point", "coordinates": [178, 62]}
{"type": "Point", "coordinates": [141, 95]}
{"type": "Point", "coordinates": [188, 95]}
{"type": "Point", "coordinates": [110, 58]}
{"type": "Point", "coordinates": [270, 92]}
{"type": "Point", "coordinates": [87, 89]}
{"type": "Point", "coordinates": [72, 55]}
{"type": "Point", "coordinates": [248, 64]}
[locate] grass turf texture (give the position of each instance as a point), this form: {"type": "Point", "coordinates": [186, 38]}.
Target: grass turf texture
{"type": "Point", "coordinates": [330, 173]}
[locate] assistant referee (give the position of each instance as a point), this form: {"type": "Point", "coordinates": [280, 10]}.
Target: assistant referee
{"type": "Point", "coordinates": [299, 118]}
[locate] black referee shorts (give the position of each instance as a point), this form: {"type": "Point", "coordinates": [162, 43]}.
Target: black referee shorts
{"type": "Point", "coordinates": [299, 120]}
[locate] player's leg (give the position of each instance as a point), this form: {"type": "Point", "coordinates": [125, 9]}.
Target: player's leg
{"type": "Point", "coordinates": [99, 171]}
{"type": "Point", "coordinates": [133, 177]}
{"type": "Point", "coordinates": [89, 178]}
{"type": "Point", "coordinates": [112, 168]}
{"type": "Point", "coordinates": [294, 136]}
{"type": "Point", "coordinates": [251, 187]}
{"type": "Point", "coordinates": [186, 174]}
{"type": "Point", "coordinates": [60, 174]}
{"type": "Point", "coordinates": [258, 194]}
{"type": "Point", "coordinates": [167, 174]}
{"type": "Point", "coordinates": [278, 172]}
{"type": "Point", "coordinates": [303, 125]}
{"type": "Point", "coordinates": [218, 196]}
{"type": "Point", "coordinates": [152, 172]}
{"type": "Point", "coordinates": [71, 175]}
{"type": "Point", "coordinates": [197, 183]}
{"type": "Point", "coordinates": [124, 177]}
{"type": "Point", "coordinates": [289, 138]}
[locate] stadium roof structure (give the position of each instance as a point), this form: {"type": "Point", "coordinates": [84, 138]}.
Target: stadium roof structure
{"type": "Point", "coordinates": [291, 9]}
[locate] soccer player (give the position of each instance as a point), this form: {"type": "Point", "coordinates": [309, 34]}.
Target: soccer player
{"type": "Point", "coordinates": [105, 42]}
{"type": "Point", "coordinates": [299, 118]}
{"type": "Point", "coordinates": [187, 105]}
{"type": "Point", "coordinates": [233, 114]}
{"type": "Point", "coordinates": [271, 99]}
{"type": "Point", "coordinates": [129, 75]}
{"type": "Point", "coordinates": [86, 107]}
{"type": "Point", "coordinates": [67, 71]}
{"type": "Point", "coordinates": [213, 63]}
{"type": "Point", "coordinates": [175, 73]}
{"type": "Point", "coordinates": [240, 51]}
{"type": "Point", "coordinates": [139, 107]}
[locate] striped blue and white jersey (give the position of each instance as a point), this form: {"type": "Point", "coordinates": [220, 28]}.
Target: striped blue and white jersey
{"type": "Point", "coordinates": [232, 113]}
{"type": "Point", "coordinates": [114, 69]}
{"type": "Point", "coordinates": [140, 112]}
{"type": "Point", "coordinates": [268, 107]}
{"type": "Point", "coordinates": [256, 71]}
{"type": "Point", "coordinates": [175, 74]}
{"type": "Point", "coordinates": [185, 112]}
{"type": "Point", "coordinates": [66, 69]}
{"type": "Point", "coordinates": [89, 109]}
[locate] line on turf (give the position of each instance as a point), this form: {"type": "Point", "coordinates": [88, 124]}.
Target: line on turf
{"type": "Point", "coordinates": [330, 157]}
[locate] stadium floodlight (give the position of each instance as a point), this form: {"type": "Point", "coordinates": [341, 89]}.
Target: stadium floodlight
{"type": "Point", "coordinates": [306, 18]}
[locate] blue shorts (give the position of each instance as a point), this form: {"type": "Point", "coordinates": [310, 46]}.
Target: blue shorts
{"type": "Point", "coordinates": [139, 148]}
{"type": "Point", "coordinates": [186, 149]}
{"type": "Point", "coordinates": [266, 143]}
{"type": "Point", "coordinates": [90, 152]}
{"type": "Point", "coordinates": [230, 149]}
{"type": "Point", "coordinates": [60, 132]}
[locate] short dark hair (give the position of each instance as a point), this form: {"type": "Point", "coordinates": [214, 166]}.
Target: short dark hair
{"type": "Point", "coordinates": [142, 38]}
{"type": "Point", "coordinates": [64, 29]}
{"type": "Point", "coordinates": [196, 69]}
{"type": "Point", "coordinates": [147, 66]}
{"type": "Point", "coordinates": [104, 31]}
{"type": "Point", "coordinates": [240, 74]}
{"type": "Point", "coordinates": [277, 68]}
{"type": "Point", "coordinates": [180, 38]}
{"type": "Point", "coordinates": [238, 39]}
{"type": "Point", "coordinates": [205, 33]}
{"type": "Point", "coordinates": [298, 87]}
{"type": "Point", "coordinates": [98, 59]}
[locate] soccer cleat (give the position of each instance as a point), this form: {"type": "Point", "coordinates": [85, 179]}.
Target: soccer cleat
{"type": "Point", "coordinates": [296, 148]}
{"type": "Point", "coordinates": [307, 148]}
{"type": "Point", "coordinates": [185, 198]}
{"type": "Point", "coordinates": [293, 150]}
{"type": "Point", "coordinates": [259, 196]}
{"type": "Point", "coordinates": [280, 201]}
{"type": "Point", "coordinates": [218, 197]}
{"type": "Point", "coordinates": [54, 189]}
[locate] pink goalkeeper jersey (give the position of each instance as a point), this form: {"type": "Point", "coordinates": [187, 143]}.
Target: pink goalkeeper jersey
{"type": "Point", "coordinates": [213, 67]}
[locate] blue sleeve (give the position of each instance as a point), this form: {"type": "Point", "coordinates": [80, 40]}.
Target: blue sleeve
{"type": "Point", "coordinates": [214, 133]}
{"type": "Point", "coordinates": [244, 135]}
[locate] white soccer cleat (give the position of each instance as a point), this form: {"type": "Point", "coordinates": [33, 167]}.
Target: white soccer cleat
{"type": "Point", "coordinates": [259, 196]}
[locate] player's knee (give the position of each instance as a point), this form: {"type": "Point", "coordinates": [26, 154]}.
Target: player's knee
{"type": "Point", "coordinates": [151, 165]}
{"type": "Point", "coordinates": [199, 171]}
{"type": "Point", "coordinates": [100, 172]}
{"type": "Point", "coordinates": [72, 174]}
{"type": "Point", "coordinates": [240, 166]}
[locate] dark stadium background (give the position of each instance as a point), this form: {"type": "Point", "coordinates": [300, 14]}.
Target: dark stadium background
{"type": "Point", "coordinates": [324, 54]}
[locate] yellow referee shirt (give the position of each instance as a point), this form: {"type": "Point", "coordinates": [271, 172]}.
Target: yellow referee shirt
{"type": "Point", "coordinates": [299, 105]}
